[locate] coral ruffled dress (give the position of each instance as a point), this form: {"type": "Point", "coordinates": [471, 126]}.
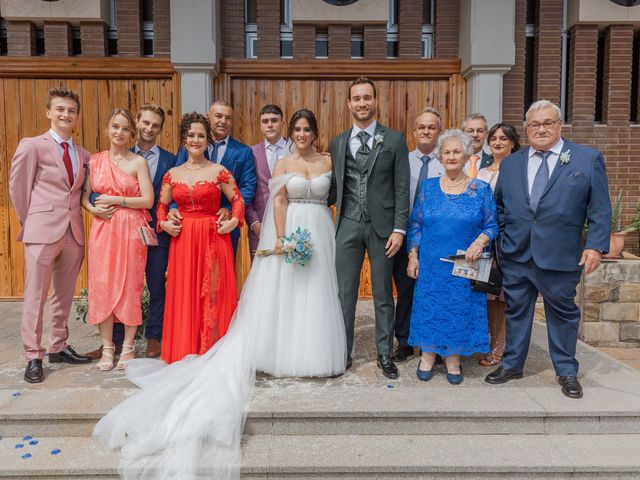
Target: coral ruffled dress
{"type": "Point", "coordinates": [201, 285]}
{"type": "Point", "coordinates": [117, 256]}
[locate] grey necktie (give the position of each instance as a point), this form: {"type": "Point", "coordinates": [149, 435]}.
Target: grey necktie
{"type": "Point", "coordinates": [540, 181]}
{"type": "Point", "coordinates": [423, 175]}
{"type": "Point", "coordinates": [362, 155]}
{"type": "Point", "coordinates": [272, 157]}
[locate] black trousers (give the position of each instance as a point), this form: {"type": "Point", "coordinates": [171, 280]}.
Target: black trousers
{"type": "Point", "coordinates": [404, 286]}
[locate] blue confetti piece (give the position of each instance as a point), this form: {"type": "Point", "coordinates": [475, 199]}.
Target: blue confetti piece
{"type": "Point", "coordinates": [19, 445]}
{"type": "Point", "coordinates": [390, 386]}
{"type": "Point", "coordinates": [28, 437]}
{"type": "Point", "coordinates": [55, 451]}
{"type": "Point", "coordinates": [17, 394]}
{"type": "Point", "coordinates": [26, 456]}
{"type": "Point", "coordinates": [33, 442]}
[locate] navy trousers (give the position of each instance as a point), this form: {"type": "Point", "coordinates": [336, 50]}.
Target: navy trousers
{"type": "Point", "coordinates": [521, 283]}
{"type": "Point", "coordinates": [404, 286]}
{"type": "Point", "coordinates": [157, 258]}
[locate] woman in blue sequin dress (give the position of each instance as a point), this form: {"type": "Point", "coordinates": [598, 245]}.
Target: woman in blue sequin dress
{"type": "Point", "coordinates": [453, 212]}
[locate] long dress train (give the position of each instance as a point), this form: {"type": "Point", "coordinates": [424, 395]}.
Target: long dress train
{"type": "Point", "coordinates": [188, 418]}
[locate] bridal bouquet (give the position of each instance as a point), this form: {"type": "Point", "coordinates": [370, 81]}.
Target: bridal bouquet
{"type": "Point", "coordinates": [297, 248]}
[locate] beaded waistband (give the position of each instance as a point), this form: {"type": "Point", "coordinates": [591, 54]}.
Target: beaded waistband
{"type": "Point", "coordinates": [316, 201]}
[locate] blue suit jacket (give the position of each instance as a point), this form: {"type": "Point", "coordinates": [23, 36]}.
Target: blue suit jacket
{"type": "Point", "coordinates": [166, 162]}
{"type": "Point", "coordinates": [551, 236]}
{"type": "Point", "coordinates": [238, 159]}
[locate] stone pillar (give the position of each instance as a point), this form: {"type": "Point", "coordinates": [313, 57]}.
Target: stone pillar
{"type": "Point", "coordinates": [195, 24]}
{"type": "Point", "coordinates": [486, 53]}
{"type": "Point", "coordinates": [618, 51]}
{"type": "Point", "coordinates": [304, 40]}
{"type": "Point", "coordinates": [57, 39]}
{"type": "Point", "coordinates": [583, 55]}
{"type": "Point", "coordinates": [21, 39]}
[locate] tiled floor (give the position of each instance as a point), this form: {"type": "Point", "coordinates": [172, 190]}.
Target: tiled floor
{"type": "Point", "coordinates": [630, 356]}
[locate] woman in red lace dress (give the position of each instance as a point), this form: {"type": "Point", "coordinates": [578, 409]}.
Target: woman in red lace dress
{"type": "Point", "coordinates": [201, 287]}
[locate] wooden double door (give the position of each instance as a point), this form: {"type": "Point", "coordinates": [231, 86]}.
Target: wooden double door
{"type": "Point", "coordinates": [404, 89]}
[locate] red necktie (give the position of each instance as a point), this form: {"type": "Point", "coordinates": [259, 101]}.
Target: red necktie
{"type": "Point", "coordinates": [66, 158]}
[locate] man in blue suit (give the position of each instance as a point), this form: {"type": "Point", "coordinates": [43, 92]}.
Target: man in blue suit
{"type": "Point", "coordinates": [544, 195]}
{"type": "Point", "coordinates": [231, 154]}
{"type": "Point", "coordinates": [150, 121]}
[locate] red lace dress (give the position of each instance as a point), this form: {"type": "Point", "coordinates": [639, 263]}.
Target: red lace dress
{"type": "Point", "coordinates": [201, 286]}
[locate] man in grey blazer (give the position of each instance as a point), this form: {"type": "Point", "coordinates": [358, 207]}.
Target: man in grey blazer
{"type": "Point", "coordinates": [370, 188]}
{"type": "Point", "coordinates": [475, 126]}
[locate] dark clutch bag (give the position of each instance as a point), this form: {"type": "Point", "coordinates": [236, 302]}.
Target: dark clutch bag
{"type": "Point", "coordinates": [492, 286]}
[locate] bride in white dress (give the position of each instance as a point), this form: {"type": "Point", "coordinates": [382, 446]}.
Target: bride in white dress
{"type": "Point", "coordinates": [188, 418]}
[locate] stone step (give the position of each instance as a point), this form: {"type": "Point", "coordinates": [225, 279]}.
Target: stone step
{"type": "Point", "coordinates": [362, 456]}
{"type": "Point", "coordinates": [356, 410]}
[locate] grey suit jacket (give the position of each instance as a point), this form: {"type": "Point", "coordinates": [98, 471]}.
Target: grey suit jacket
{"type": "Point", "coordinates": [388, 181]}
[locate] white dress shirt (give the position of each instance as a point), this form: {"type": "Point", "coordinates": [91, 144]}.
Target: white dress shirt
{"type": "Point", "coordinates": [354, 141]}
{"type": "Point", "coordinates": [434, 169]}
{"type": "Point", "coordinates": [536, 160]}
{"type": "Point", "coordinates": [222, 149]}
{"type": "Point", "coordinates": [275, 151]}
{"type": "Point", "coordinates": [72, 150]}
{"type": "Point", "coordinates": [152, 158]}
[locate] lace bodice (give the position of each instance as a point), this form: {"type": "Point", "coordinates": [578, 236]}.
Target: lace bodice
{"type": "Point", "coordinates": [304, 190]}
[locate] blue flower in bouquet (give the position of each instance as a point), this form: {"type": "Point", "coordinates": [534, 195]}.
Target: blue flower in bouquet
{"type": "Point", "coordinates": [298, 247]}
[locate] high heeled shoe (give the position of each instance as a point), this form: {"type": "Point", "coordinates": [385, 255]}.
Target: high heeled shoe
{"type": "Point", "coordinates": [106, 360]}
{"type": "Point", "coordinates": [126, 350]}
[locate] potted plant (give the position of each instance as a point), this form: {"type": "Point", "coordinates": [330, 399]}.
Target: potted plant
{"type": "Point", "coordinates": [616, 243]}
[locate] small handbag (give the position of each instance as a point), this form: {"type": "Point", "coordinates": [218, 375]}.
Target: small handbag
{"type": "Point", "coordinates": [148, 236]}
{"type": "Point", "coordinates": [493, 285]}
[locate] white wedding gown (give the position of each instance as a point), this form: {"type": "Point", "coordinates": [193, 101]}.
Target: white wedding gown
{"type": "Point", "coordinates": [187, 420]}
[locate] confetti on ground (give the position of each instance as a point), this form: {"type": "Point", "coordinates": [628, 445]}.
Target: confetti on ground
{"type": "Point", "coordinates": [55, 451]}
{"type": "Point", "coordinates": [28, 437]}
{"type": "Point", "coordinates": [19, 445]}
{"type": "Point", "coordinates": [17, 394]}
{"type": "Point", "coordinates": [390, 386]}
{"type": "Point", "coordinates": [33, 442]}
{"type": "Point", "coordinates": [26, 455]}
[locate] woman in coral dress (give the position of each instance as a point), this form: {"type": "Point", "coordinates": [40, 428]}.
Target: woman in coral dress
{"type": "Point", "coordinates": [117, 256]}
{"type": "Point", "coordinates": [201, 286]}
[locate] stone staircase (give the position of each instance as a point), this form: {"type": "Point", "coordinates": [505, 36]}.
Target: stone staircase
{"type": "Point", "coordinates": [360, 426]}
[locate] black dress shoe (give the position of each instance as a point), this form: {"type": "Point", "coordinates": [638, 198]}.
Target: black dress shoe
{"type": "Point", "coordinates": [349, 363]}
{"type": "Point", "coordinates": [68, 355]}
{"type": "Point", "coordinates": [389, 369]}
{"type": "Point", "coordinates": [402, 354]}
{"type": "Point", "coordinates": [502, 375]}
{"type": "Point", "coordinates": [34, 372]}
{"type": "Point", "coordinates": [570, 387]}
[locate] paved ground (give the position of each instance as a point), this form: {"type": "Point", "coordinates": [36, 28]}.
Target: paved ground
{"type": "Point", "coordinates": [630, 356]}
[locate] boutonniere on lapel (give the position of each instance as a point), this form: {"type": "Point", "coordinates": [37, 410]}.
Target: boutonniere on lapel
{"type": "Point", "coordinates": [378, 139]}
{"type": "Point", "coordinates": [565, 157]}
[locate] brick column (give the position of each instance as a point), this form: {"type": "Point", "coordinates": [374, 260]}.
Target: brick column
{"type": "Point", "coordinates": [57, 39]}
{"type": "Point", "coordinates": [304, 41]}
{"type": "Point", "coordinates": [583, 56]}
{"type": "Point", "coordinates": [129, 16]}
{"type": "Point", "coordinates": [268, 28]}
{"type": "Point", "coordinates": [410, 29]}
{"type": "Point", "coordinates": [232, 29]}
{"type": "Point", "coordinates": [618, 50]}
{"type": "Point", "coordinates": [447, 27]}
{"type": "Point", "coordinates": [513, 80]}
{"type": "Point", "coordinates": [21, 39]}
{"type": "Point", "coordinates": [548, 51]}
{"type": "Point", "coordinates": [161, 28]}
{"type": "Point", "coordinates": [375, 41]}
{"type": "Point", "coordinates": [339, 41]}
{"type": "Point", "coordinates": [93, 37]}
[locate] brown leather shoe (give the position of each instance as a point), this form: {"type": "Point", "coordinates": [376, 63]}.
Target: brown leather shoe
{"type": "Point", "coordinates": [154, 346]}
{"type": "Point", "coordinates": [97, 353]}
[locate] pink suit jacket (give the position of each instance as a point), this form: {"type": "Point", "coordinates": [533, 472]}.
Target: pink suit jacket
{"type": "Point", "coordinates": [255, 211]}
{"type": "Point", "coordinates": [39, 188]}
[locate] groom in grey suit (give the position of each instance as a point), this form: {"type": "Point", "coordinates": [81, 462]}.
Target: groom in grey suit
{"type": "Point", "coordinates": [370, 188]}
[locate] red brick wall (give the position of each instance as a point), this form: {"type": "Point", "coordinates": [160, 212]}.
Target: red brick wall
{"type": "Point", "coordinates": [93, 37]}
{"type": "Point", "coordinates": [57, 39]}
{"type": "Point", "coordinates": [583, 56]}
{"type": "Point", "coordinates": [268, 28]}
{"type": "Point", "coordinates": [375, 41]}
{"type": "Point", "coordinates": [618, 48]}
{"type": "Point", "coordinates": [513, 81]}
{"type": "Point", "coordinates": [304, 41]}
{"type": "Point", "coordinates": [339, 41]}
{"type": "Point", "coordinates": [21, 39]}
{"type": "Point", "coordinates": [161, 28]}
{"type": "Point", "coordinates": [410, 26]}
{"type": "Point", "coordinates": [129, 17]}
{"type": "Point", "coordinates": [548, 51]}
{"type": "Point", "coordinates": [232, 28]}
{"type": "Point", "coordinates": [447, 27]}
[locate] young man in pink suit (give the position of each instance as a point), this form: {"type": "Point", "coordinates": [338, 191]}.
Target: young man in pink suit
{"type": "Point", "coordinates": [266, 154]}
{"type": "Point", "coordinates": [45, 185]}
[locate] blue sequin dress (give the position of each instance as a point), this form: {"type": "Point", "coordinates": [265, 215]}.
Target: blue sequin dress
{"type": "Point", "coordinates": [449, 317]}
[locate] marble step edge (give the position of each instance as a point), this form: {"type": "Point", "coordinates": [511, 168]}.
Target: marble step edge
{"type": "Point", "coordinates": [266, 454]}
